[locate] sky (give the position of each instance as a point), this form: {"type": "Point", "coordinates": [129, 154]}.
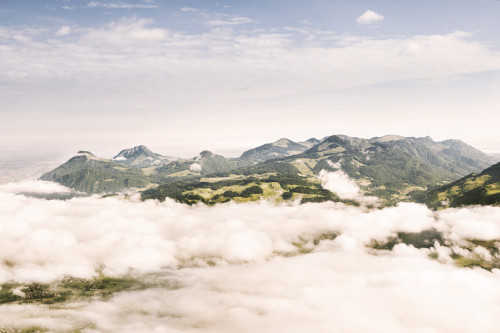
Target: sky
{"type": "Point", "coordinates": [182, 76]}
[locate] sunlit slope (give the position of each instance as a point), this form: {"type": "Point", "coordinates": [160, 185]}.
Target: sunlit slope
{"type": "Point", "coordinates": [393, 168]}
{"type": "Point", "coordinates": [141, 156]}
{"type": "Point", "coordinates": [90, 174]}
{"type": "Point", "coordinates": [281, 148]}
{"type": "Point", "coordinates": [87, 173]}
{"type": "Point", "coordinates": [474, 189]}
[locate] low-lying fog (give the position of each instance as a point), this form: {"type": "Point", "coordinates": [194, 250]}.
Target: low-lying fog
{"type": "Point", "coordinates": [254, 267]}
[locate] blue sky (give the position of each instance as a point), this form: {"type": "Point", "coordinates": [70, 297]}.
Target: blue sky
{"type": "Point", "coordinates": [182, 76]}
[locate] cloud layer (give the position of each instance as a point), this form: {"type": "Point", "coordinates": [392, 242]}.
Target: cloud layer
{"type": "Point", "coordinates": [73, 80]}
{"type": "Point", "coordinates": [48, 239]}
{"type": "Point", "coordinates": [267, 63]}
{"type": "Point", "coordinates": [274, 269]}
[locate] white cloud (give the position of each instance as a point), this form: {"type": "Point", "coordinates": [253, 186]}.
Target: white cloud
{"type": "Point", "coordinates": [320, 292]}
{"type": "Point", "coordinates": [342, 185]}
{"type": "Point", "coordinates": [274, 73]}
{"type": "Point", "coordinates": [63, 31]}
{"type": "Point", "coordinates": [189, 9]}
{"type": "Point", "coordinates": [229, 22]}
{"type": "Point", "coordinates": [472, 222]}
{"type": "Point", "coordinates": [127, 32]}
{"type": "Point", "coordinates": [76, 236]}
{"type": "Point", "coordinates": [33, 186]}
{"type": "Point", "coordinates": [119, 5]}
{"type": "Point", "coordinates": [247, 64]}
{"type": "Point", "coordinates": [369, 17]}
{"type": "Point", "coordinates": [195, 167]}
{"type": "Point", "coordinates": [261, 281]}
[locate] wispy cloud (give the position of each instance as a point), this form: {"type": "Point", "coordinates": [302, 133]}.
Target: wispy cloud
{"type": "Point", "coordinates": [232, 21]}
{"type": "Point", "coordinates": [63, 31]}
{"type": "Point", "coordinates": [147, 66]}
{"type": "Point", "coordinates": [274, 59]}
{"type": "Point", "coordinates": [369, 17]}
{"type": "Point", "coordinates": [119, 5]}
{"type": "Point", "coordinates": [189, 9]}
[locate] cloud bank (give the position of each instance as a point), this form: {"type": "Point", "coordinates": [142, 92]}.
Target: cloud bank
{"type": "Point", "coordinates": [235, 70]}
{"type": "Point", "coordinates": [48, 239]}
{"type": "Point", "coordinates": [246, 63]}
{"type": "Point", "coordinates": [274, 267]}
{"type": "Point", "coordinates": [33, 186]}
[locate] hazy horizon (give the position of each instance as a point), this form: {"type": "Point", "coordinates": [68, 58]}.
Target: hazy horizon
{"type": "Point", "coordinates": [228, 149]}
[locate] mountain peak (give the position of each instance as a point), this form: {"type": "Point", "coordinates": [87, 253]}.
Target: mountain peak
{"type": "Point", "coordinates": [283, 142]}
{"type": "Point", "coordinates": [313, 140]}
{"type": "Point", "coordinates": [387, 138]}
{"type": "Point", "coordinates": [309, 142]}
{"type": "Point", "coordinates": [140, 156]}
{"type": "Point", "coordinates": [85, 152]}
{"type": "Point", "coordinates": [134, 152]}
{"type": "Point", "coordinates": [206, 153]}
{"type": "Point", "coordinates": [282, 147]}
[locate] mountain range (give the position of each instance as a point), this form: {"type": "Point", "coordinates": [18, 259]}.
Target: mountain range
{"type": "Point", "coordinates": [392, 168]}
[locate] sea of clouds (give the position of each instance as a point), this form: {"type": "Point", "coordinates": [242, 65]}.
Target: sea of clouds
{"type": "Point", "coordinates": [245, 267]}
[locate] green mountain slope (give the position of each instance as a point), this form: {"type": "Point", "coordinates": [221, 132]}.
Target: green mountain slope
{"type": "Point", "coordinates": [213, 164]}
{"type": "Point", "coordinates": [282, 147]}
{"type": "Point", "coordinates": [393, 168]}
{"type": "Point", "coordinates": [87, 173]}
{"type": "Point", "coordinates": [206, 163]}
{"type": "Point", "coordinates": [241, 189]}
{"type": "Point", "coordinates": [474, 189]}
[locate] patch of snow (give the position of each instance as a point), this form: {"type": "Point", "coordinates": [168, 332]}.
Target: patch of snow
{"type": "Point", "coordinates": [120, 158]}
